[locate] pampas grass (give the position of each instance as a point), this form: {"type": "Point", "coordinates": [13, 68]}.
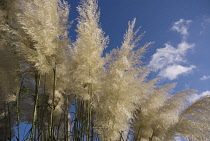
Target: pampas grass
{"type": "Point", "coordinates": [67, 91]}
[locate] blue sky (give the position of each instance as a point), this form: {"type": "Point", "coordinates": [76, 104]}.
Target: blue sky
{"type": "Point", "coordinates": [179, 28]}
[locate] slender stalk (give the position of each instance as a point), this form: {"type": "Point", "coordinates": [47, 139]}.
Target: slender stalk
{"type": "Point", "coordinates": [68, 126]}
{"type": "Point", "coordinates": [82, 119]}
{"type": "Point", "coordinates": [37, 78]}
{"type": "Point", "coordinates": [59, 125]}
{"type": "Point", "coordinates": [64, 122]}
{"type": "Point", "coordinates": [42, 115]}
{"type": "Point", "coordinates": [90, 112]}
{"type": "Point", "coordinates": [41, 129]}
{"type": "Point", "coordinates": [18, 116]}
{"type": "Point", "coordinates": [41, 122]}
{"type": "Point", "coordinates": [52, 106]}
{"type": "Point", "coordinates": [5, 124]}
{"type": "Point", "coordinates": [88, 125]}
{"type": "Point", "coordinates": [78, 119]}
{"type": "Point", "coordinates": [10, 133]}
{"type": "Point", "coordinates": [66, 119]}
{"type": "Point", "coordinates": [75, 120]}
{"type": "Point", "coordinates": [18, 107]}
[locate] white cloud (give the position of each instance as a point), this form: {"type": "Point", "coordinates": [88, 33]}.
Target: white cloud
{"type": "Point", "coordinates": [170, 55]}
{"type": "Point", "coordinates": [195, 97]}
{"type": "Point", "coordinates": [168, 60]}
{"type": "Point", "coordinates": [172, 72]}
{"type": "Point", "coordinates": [205, 77]}
{"type": "Point", "coordinates": [181, 26]}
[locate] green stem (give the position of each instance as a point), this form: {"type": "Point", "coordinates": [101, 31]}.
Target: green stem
{"type": "Point", "coordinates": [59, 125]}
{"type": "Point", "coordinates": [52, 106]}
{"type": "Point", "coordinates": [37, 78]}
{"type": "Point", "coordinates": [42, 114]}
{"type": "Point", "coordinates": [89, 111]}
{"type": "Point", "coordinates": [18, 107]}
{"type": "Point", "coordinates": [66, 120]}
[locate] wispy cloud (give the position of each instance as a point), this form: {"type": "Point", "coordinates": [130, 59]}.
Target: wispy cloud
{"type": "Point", "coordinates": [173, 71]}
{"type": "Point", "coordinates": [181, 26]}
{"type": "Point", "coordinates": [169, 60]}
{"type": "Point", "coordinates": [195, 97]}
{"type": "Point", "coordinates": [205, 22]}
{"type": "Point", "coordinates": [205, 77]}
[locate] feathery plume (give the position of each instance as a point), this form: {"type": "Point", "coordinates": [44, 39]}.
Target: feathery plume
{"type": "Point", "coordinates": [122, 90]}
{"type": "Point", "coordinates": [86, 62]}
{"type": "Point", "coordinates": [45, 23]}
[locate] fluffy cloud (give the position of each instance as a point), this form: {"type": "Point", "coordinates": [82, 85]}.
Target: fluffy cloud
{"type": "Point", "coordinates": [172, 72]}
{"type": "Point", "coordinates": [195, 97]}
{"type": "Point", "coordinates": [170, 55]}
{"type": "Point", "coordinates": [205, 77]}
{"type": "Point", "coordinates": [181, 26]}
{"type": "Point", "coordinates": [168, 60]}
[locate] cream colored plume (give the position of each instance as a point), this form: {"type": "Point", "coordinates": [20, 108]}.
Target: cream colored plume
{"type": "Point", "coordinates": [124, 88]}
{"type": "Point", "coordinates": [45, 27]}
{"type": "Point", "coordinates": [86, 62]}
